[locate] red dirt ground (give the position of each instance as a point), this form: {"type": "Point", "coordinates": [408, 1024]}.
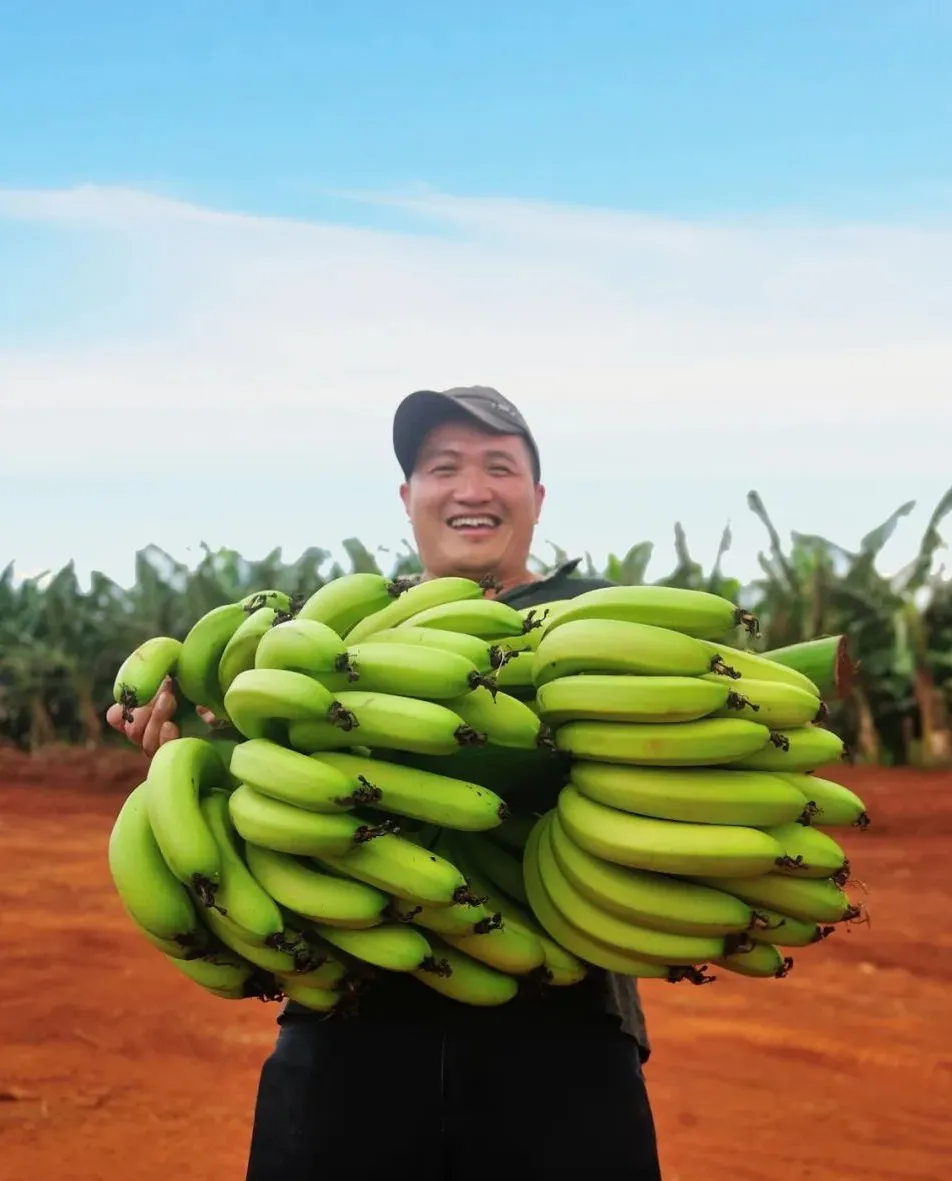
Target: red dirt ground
{"type": "Point", "coordinates": [115, 1067]}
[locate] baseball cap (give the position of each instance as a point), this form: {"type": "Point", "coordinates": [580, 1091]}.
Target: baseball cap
{"type": "Point", "coordinates": [421, 411]}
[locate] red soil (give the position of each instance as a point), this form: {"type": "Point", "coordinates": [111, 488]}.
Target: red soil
{"type": "Point", "coordinates": [114, 1066]}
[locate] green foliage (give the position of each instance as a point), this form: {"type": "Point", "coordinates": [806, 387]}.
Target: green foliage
{"type": "Point", "coordinates": [60, 645]}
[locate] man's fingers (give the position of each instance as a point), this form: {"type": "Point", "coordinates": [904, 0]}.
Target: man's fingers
{"type": "Point", "coordinates": [168, 732]}
{"type": "Point", "coordinates": [114, 718]}
{"type": "Point", "coordinates": [162, 712]}
{"type": "Point", "coordinates": [156, 738]}
{"type": "Point", "coordinates": [205, 714]}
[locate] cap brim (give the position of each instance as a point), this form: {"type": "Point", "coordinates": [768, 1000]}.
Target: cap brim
{"type": "Point", "coordinates": [423, 410]}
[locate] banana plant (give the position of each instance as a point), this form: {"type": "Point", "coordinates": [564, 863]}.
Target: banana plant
{"type": "Point", "coordinates": [61, 643]}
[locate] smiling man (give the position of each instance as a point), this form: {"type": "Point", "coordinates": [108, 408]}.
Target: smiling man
{"type": "Point", "coordinates": [549, 1085]}
{"type": "Point", "coordinates": [473, 488]}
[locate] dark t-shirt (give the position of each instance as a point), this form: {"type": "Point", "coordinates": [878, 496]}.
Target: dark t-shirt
{"type": "Point", "coordinates": [602, 991]}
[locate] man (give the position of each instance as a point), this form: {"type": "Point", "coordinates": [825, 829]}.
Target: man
{"type": "Point", "coordinates": [547, 1085]}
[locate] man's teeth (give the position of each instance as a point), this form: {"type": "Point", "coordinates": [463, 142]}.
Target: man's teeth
{"type": "Point", "coordinates": [473, 522]}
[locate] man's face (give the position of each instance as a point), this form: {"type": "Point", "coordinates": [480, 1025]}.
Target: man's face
{"type": "Point", "coordinates": [473, 502]}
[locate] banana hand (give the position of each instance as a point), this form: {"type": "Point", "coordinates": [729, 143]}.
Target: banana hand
{"type": "Point", "coordinates": [666, 846]}
{"type": "Point", "coordinates": [690, 612]}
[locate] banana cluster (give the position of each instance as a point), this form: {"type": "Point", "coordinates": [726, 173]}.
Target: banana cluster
{"type": "Point", "coordinates": [374, 814]}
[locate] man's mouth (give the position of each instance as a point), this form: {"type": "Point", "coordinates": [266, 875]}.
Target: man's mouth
{"type": "Point", "coordinates": [479, 521]}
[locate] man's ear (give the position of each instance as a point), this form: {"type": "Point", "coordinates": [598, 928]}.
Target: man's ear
{"type": "Point", "coordinates": [405, 496]}
{"type": "Point", "coordinates": [539, 499]}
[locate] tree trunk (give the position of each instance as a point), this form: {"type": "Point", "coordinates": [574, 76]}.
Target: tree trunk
{"type": "Point", "coordinates": [42, 730]}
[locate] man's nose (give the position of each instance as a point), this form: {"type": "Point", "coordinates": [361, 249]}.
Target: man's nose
{"type": "Point", "coordinates": [473, 488]}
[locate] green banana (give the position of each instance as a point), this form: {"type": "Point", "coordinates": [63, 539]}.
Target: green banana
{"type": "Point", "coordinates": [279, 601]}
{"type": "Point", "coordinates": [261, 702]}
{"type": "Point", "coordinates": [782, 930]}
{"type": "Point", "coordinates": [761, 961]}
{"type": "Point", "coordinates": [170, 947]}
{"type": "Point", "coordinates": [667, 846]}
{"type": "Point", "coordinates": [487, 619]}
{"type": "Point", "coordinates": [480, 653]}
{"type": "Point", "coordinates": [614, 646]}
{"type": "Point", "coordinates": [508, 948]}
{"type": "Point", "coordinates": [418, 598]}
{"type": "Point", "coordinates": [141, 674]}
{"type": "Point", "coordinates": [412, 670]}
{"type": "Point", "coordinates": [343, 602]}
{"type": "Point", "coordinates": [812, 853]}
{"type": "Point", "coordinates": [239, 653]}
{"type": "Point", "coordinates": [828, 803]}
{"type": "Point", "coordinates": [816, 900]}
{"type": "Point", "coordinates": [746, 666]}
{"type": "Point", "coordinates": [307, 647]}
{"type": "Point", "coordinates": [284, 828]}
{"type": "Point", "coordinates": [294, 778]}
{"type": "Point", "coordinates": [420, 795]}
{"type": "Point", "coordinates": [269, 957]}
{"type": "Point", "coordinates": [502, 868]}
{"type": "Point", "coordinates": [515, 676]}
{"type": "Point", "coordinates": [599, 923]}
{"type": "Point", "coordinates": [332, 899]}
{"type": "Point", "coordinates": [805, 748]}
{"type": "Point", "coordinates": [202, 650]}
{"type": "Point", "coordinates": [576, 941]}
{"type": "Point", "coordinates": [181, 772]}
{"type": "Point", "coordinates": [538, 618]}
{"type": "Point", "coordinates": [771, 703]}
{"type": "Point", "coordinates": [705, 742]}
{"type": "Point", "coordinates": [525, 642]}
{"type": "Point", "coordinates": [327, 975]}
{"type": "Point", "coordinates": [239, 896]}
{"type": "Point", "coordinates": [396, 947]}
{"type": "Point", "coordinates": [310, 996]}
{"type": "Point", "coordinates": [228, 976]}
{"type": "Point", "coordinates": [544, 614]}
{"type": "Point", "coordinates": [645, 898]}
{"type": "Point", "coordinates": [691, 612]}
{"type": "Point", "coordinates": [385, 720]}
{"type": "Point", "coordinates": [458, 919]}
{"type": "Point", "coordinates": [458, 976]}
{"type": "Point", "coordinates": [702, 795]}
{"type": "Point", "coordinates": [630, 698]}
{"type": "Point", "coordinates": [405, 870]}
{"type": "Point", "coordinates": [505, 720]}
{"type": "Point", "coordinates": [561, 967]}
{"type": "Point", "coordinates": [151, 894]}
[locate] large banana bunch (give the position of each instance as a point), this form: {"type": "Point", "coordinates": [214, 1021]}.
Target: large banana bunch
{"type": "Point", "coordinates": [422, 779]}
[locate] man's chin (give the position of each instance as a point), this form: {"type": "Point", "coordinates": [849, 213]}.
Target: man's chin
{"type": "Point", "coordinates": [474, 553]}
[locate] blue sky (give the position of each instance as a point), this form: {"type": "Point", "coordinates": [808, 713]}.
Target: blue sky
{"type": "Point", "coordinates": [699, 108]}
{"type": "Point", "coordinates": [216, 220]}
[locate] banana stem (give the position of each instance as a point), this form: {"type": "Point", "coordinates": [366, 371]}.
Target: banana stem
{"type": "Point", "coordinates": [825, 661]}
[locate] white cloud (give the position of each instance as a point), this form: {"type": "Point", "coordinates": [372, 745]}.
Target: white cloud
{"type": "Point", "coordinates": [677, 364]}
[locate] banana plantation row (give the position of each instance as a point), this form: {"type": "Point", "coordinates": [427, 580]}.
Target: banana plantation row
{"type": "Point", "coordinates": [60, 645]}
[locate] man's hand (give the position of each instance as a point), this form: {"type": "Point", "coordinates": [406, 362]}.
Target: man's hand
{"type": "Point", "coordinates": [152, 725]}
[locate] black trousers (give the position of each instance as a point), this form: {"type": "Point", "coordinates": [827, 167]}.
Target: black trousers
{"type": "Point", "coordinates": [439, 1091]}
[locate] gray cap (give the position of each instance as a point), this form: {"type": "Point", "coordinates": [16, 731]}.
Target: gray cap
{"type": "Point", "coordinates": [421, 411]}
